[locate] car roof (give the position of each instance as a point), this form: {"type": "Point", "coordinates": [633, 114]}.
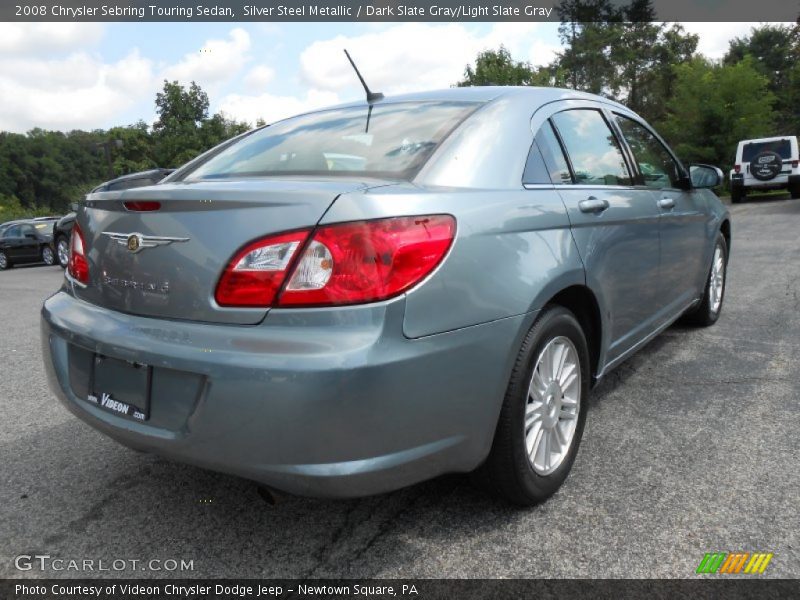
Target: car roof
{"type": "Point", "coordinates": [768, 139]}
{"type": "Point", "coordinates": [484, 94]}
{"type": "Point", "coordinates": [8, 224]}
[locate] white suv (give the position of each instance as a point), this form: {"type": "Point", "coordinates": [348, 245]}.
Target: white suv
{"type": "Point", "coordinates": [766, 164]}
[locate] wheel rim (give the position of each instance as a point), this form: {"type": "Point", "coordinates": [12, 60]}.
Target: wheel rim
{"type": "Point", "coordinates": [717, 280]}
{"type": "Point", "coordinates": [47, 255]}
{"type": "Point", "coordinates": [553, 405]}
{"type": "Point", "coordinates": [3, 261]}
{"type": "Point", "coordinates": [63, 252]}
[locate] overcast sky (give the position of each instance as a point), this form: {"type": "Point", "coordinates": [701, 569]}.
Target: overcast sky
{"type": "Point", "coordinates": [90, 75]}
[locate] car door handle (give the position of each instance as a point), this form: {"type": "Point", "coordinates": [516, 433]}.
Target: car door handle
{"type": "Point", "coordinates": [666, 203]}
{"type": "Point", "coordinates": [593, 205]}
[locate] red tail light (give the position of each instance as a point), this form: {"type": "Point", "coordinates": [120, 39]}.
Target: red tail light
{"type": "Point", "coordinates": [737, 168]}
{"type": "Point", "coordinates": [347, 263]}
{"type": "Point", "coordinates": [78, 267]}
{"type": "Point", "coordinates": [255, 273]}
{"type": "Point", "coordinates": [142, 205]}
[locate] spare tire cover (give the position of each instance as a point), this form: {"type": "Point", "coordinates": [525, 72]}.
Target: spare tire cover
{"type": "Point", "coordinates": [766, 165]}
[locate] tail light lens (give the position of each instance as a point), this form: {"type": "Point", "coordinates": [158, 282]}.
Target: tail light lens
{"type": "Point", "coordinates": [78, 266]}
{"type": "Point", "coordinates": [255, 273]}
{"type": "Point", "coordinates": [347, 263]}
{"type": "Point", "coordinates": [737, 168]}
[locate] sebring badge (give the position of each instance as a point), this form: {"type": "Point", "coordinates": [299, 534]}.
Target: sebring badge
{"type": "Point", "coordinates": [136, 242]}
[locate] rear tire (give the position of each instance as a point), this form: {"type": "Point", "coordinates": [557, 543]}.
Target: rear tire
{"type": "Point", "coordinates": [710, 307]}
{"type": "Point", "coordinates": [4, 262]}
{"type": "Point", "coordinates": [48, 257]}
{"type": "Point", "coordinates": [794, 191]}
{"type": "Point", "coordinates": [737, 194]}
{"type": "Point", "coordinates": [543, 414]}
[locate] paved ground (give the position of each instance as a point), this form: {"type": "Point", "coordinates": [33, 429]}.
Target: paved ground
{"type": "Point", "coordinates": [691, 446]}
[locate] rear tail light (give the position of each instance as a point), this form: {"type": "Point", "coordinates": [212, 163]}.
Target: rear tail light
{"type": "Point", "coordinates": [795, 164]}
{"type": "Point", "coordinates": [78, 267]}
{"type": "Point", "coordinates": [255, 273]}
{"type": "Point", "coordinates": [347, 263]}
{"type": "Point", "coordinates": [737, 168]}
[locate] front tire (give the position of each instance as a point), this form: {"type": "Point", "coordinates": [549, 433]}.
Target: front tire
{"type": "Point", "coordinates": [544, 411]}
{"type": "Point", "coordinates": [4, 262]}
{"type": "Point", "coordinates": [710, 307]}
{"type": "Point", "coordinates": [48, 257]}
{"type": "Point", "coordinates": [62, 251]}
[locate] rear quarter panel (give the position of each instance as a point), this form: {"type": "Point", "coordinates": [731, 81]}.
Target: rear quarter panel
{"type": "Point", "coordinates": [513, 251]}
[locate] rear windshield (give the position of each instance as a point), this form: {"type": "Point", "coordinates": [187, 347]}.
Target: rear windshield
{"type": "Point", "coordinates": [753, 149]}
{"type": "Point", "coordinates": [390, 140]}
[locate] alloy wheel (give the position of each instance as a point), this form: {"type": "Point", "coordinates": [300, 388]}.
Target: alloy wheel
{"type": "Point", "coordinates": [63, 252]}
{"type": "Point", "coordinates": [553, 406]}
{"type": "Point", "coordinates": [717, 283]}
{"type": "Point", "coordinates": [47, 256]}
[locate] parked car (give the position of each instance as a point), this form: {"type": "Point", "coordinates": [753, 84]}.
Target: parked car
{"type": "Point", "coordinates": [62, 228]}
{"type": "Point", "coordinates": [766, 164]}
{"type": "Point", "coordinates": [25, 241]}
{"type": "Point", "coordinates": [348, 327]}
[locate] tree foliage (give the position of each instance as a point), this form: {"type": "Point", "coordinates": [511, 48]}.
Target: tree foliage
{"type": "Point", "coordinates": [42, 172]}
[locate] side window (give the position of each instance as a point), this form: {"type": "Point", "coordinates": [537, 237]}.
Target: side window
{"type": "Point", "coordinates": [553, 155]}
{"type": "Point", "coordinates": [592, 148]}
{"type": "Point", "coordinates": [656, 164]}
{"type": "Point", "coordinates": [13, 232]}
{"type": "Point", "coordinates": [26, 230]}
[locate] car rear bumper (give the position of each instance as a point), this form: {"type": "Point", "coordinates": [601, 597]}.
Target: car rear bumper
{"type": "Point", "coordinates": [781, 181]}
{"type": "Point", "coordinates": [315, 402]}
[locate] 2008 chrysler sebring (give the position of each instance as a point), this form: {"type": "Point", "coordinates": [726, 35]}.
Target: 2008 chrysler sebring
{"type": "Point", "coordinates": [356, 299]}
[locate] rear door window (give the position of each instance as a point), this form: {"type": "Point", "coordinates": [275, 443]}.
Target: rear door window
{"type": "Point", "coordinates": [592, 148]}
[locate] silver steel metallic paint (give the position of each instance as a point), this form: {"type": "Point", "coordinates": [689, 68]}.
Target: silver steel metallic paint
{"type": "Point", "coordinates": [363, 399]}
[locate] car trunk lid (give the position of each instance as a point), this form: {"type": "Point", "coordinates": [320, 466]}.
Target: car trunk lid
{"type": "Point", "coordinates": [171, 268]}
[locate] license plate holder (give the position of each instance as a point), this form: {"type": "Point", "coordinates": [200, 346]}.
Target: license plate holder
{"type": "Point", "coordinates": [121, 387]}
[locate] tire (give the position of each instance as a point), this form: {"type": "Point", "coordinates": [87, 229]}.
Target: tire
{"type": "Point", "coordinates": [509, 471]}
{"type": "Point", "coordinates": [48, 256]}
{"type": "Point", "coordinates": [737, 194]}
{"type": "Point", "coordinates": [62, 251]}
{"type": "Point", "coordinates": [708, 311]}
{"type": "Point", "coordinates": [794, 191]}
{"type": "Point", "coordinates": [766, 165]}
{"type": "Point", "coordinates": [4, 262]}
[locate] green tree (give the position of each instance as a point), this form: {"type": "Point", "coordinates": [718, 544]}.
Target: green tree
{"type": "Point", "coordinates": [774, 50]}
{"type": "Point", "coordinates": [496, 67]}
{"type": "Point", "coordinates": [714, 106]}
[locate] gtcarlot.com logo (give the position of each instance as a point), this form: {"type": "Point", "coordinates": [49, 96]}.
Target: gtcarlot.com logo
{"type": "Point", "coordinates": [45, 562]}
{"type": "Point", "coordinates": [734, 563]}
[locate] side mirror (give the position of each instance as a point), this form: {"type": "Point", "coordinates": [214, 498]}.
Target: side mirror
{"type": "Point", "coordinates": [705, 176]}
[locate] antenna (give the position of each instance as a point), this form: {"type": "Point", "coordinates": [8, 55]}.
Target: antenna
{"type": "Point", "coordinates": [371, 96]}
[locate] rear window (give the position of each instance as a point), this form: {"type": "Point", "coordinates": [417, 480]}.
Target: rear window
{"type": "Point", "coordinates": [753, 149]}
{"type": "Point", "coordinates": [390, 140]}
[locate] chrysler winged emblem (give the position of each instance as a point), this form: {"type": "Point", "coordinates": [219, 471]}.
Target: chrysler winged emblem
{"type": "Point", "coordinates": [136, 242]}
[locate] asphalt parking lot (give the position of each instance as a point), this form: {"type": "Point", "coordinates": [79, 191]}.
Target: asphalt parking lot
{"type": "Point", "coordinates": [692, 446]}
